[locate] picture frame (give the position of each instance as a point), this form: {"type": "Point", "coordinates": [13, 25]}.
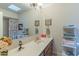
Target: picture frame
{"type": "Point", "coordinates": [48, 22]}
{"type": "Point", "coordinates": [37, 23]}
{"type": "Point", "coordinates": [20, 26]}
{"type": "Point", "coordinates": [36, 30]}
{"type": "Point", "coordinates": [48, 31]}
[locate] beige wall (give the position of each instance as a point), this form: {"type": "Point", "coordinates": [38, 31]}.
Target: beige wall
{"type": "Point", "coordinates": [61, 15]}
{"type": "Point", "coordinates": [1, 24]}
{"type": "Point", "coordinates": [5, 13]}
{"type": "Point", "coordinates": [5, 26]}
{"type": "Point", "coordinates": [10, 14]}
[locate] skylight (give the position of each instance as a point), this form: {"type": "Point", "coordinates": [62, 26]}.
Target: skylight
{"type": "Point", "coordinates": [14, 8]}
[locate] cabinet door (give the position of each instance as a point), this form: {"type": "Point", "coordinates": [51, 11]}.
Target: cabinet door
{"type": "Point", "coordinates": [48, 53]}
{"type": "Point", "coordinates": [48, 50]}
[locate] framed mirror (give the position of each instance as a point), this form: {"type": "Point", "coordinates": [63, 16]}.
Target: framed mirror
{"type": "Point", "coordinates": [47, 31]}
{"type": "Point", "coordinates": [36, 31]}
{"type": "Point", "coordinates": [48, 22]}
{"type": "Point", "coordinates": [37, 23]}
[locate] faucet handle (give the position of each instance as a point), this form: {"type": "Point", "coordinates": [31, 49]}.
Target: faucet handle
{"type": "Point", "coordinates": [20, 42]}
{"type": "Point", "coordinates": [20, 45]}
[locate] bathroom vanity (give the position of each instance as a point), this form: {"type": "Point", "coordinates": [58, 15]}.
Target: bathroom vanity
{"type": "Point", "coordinates": [41, 47]}
{"type": "Point", "coordinates": [48, 51]}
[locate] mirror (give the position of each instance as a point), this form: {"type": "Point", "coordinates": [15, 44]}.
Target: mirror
{"type": "Point", "coordinates": [13, 29]}
{"type": "Point", "coordinates": [37, 23]}
{"type": "Point", "coordinates": [36, 31]}
{"type": "Point", "coordinates": [48, 32]}
{"type": "Point", "coordinates": [48, 22]}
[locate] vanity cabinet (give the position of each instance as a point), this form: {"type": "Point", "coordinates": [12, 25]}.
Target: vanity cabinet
{"type": "Point", "coordinates": [48, 50]}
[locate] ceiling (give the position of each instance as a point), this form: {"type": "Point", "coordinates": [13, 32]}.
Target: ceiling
{"type": "Point", "coordinates": [24, 7]}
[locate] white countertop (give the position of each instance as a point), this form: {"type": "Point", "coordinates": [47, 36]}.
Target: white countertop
{"type": "Point", "coordinates": [33, 48]}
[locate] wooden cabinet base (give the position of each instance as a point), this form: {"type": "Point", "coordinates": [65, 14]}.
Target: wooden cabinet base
{"type": "Point", "coordinates": [48, 51]}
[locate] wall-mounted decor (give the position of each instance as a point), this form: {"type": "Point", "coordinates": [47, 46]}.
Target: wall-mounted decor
{"type": "Point", "coordinates": [37, 23]}
{"type": "Point", "coordinates": [20, 26]}
{"type": "Point", "coordinates": [48, 31]}
{"type": "Point", "coordinates": [36, 31]}
{"type": "Point", "coordinates": [26, 31]}
{"type": "Point", "coordinates": [48, 22]}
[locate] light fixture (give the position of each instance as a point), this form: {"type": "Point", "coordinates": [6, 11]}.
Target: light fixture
{"type": "Point", "coordinates": [14, 8]}
{"type": "Point", "coordinates": [33, 5]}
{"type": "Point", "coordinates": [36, 5]}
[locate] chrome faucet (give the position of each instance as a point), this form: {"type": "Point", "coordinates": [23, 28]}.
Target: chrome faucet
{"type": "Point", "coordinates": [20, 45]}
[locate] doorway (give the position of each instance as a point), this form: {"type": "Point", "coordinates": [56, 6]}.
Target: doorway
{"type": "Point", "coordinates": [5, 26]}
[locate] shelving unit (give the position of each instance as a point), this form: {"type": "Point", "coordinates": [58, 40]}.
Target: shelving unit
{"type": "Point", "coordinates": [13, 28]}
{"type": "Point", "coordinates": [70, 42]}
